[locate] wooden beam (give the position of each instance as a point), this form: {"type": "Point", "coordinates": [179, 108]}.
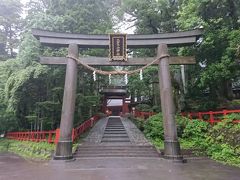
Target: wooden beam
{"type": "Point", "coordinates": [104, 61]}
{"type": "Point", "coordinates": [115, 97]}
{"type": "Point", "coordinates": [102, 41]}
{"type": "Point", "coordinates": [139, 43]}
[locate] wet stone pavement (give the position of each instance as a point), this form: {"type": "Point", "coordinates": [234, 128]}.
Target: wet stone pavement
{"type": "Point", "coordinates": [13, 167]}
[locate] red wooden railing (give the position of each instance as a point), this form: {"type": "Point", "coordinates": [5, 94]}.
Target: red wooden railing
{"type": "Point", "coordinates": [36, 136]}
{"type": "Point", "coordinates": [212, 116]}
{"type": "Point", "coordinates": [143, 114]}
{"type": "Point", "coordinates": [76, 132]}
{"type": "Point", "coordinates": [53, 135]}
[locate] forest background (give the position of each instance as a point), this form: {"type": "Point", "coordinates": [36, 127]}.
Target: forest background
{"type": "Point", "coordinates": [31, 93]}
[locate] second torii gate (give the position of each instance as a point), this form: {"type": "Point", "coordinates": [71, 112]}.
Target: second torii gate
{"type": "Point", "coordinates": [159, 41]}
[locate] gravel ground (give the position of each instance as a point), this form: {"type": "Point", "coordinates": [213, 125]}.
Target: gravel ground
{"type": "Point", "coordinates": [96, 133]}
{"type": "Point", "coordinates": [135, 135]}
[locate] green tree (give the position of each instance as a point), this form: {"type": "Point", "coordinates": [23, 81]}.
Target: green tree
{"type": "Point", "coordinates": [10, 27]}
{"type": "Point", "coordinates": [32, 94]}
{"type": "Point", "coordinates": [218, 51]}
{"type": "Point", "coordinates": [151, 16]}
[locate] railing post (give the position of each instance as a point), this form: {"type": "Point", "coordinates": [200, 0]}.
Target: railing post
{"type": "Point", "coordinates": [57, 136]}
{"type": "Point", "coordinates": [211, 118]}
{"type": "Point", "coordinates": [224, 112]}
{"type": "Point", "coordinates": [190, 115]}
{"type": "Point", "coordinates": [73, 135]}
{"type": "Point", "coordinates": [49, 137]}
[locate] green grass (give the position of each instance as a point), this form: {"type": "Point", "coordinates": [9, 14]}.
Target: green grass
{"type": "Point", "coordinates": [34, 150]}
{"type": "Point", "coordinates": [26, 149]}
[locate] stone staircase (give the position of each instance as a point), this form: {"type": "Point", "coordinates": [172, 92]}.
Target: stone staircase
{"type": "Point", "coordinates": [115, 151]}
{"type": "Point", "coordinates": [115, 132]}
{"type": "Point", "coordinates": [115, 143]}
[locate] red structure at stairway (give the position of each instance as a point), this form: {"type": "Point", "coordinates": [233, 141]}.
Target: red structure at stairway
{"type": "Point", "coordinates": [117, 94]}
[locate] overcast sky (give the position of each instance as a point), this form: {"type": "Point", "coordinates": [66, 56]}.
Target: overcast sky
{"type": "Point", "coordinates": [24, 1]}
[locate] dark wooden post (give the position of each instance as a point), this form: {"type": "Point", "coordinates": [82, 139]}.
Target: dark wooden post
{"type": "Point", "coordinates": [64, 145]}
{"type": "Point", "coordinates": [171, 144]}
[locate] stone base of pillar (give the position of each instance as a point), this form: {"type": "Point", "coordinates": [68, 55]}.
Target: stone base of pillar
{"type": "Point", "coordinates": [63, 151]}
{"type": "Point", "coordinates": [172, 151]}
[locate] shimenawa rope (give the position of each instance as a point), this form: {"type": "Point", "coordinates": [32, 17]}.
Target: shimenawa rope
{"type": "Point", "coordinates": [116, 71]}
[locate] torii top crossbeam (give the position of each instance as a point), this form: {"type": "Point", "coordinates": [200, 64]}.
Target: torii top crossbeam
{"type": "Point", "coordinates": [102, 41]}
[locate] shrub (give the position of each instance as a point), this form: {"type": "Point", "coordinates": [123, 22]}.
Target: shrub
{"type": "Point", "coordinates": [220, 142]}
{"type": "Point", "coordinates": [153, 128]}
{"type": "Point", "coordinates": [156, 109]}
{"type": "Point", "coordinates": [196, 132]}
{"type": "Point", "coordinates": [144, 107]}
{"type": "Point", "coordinates": [181, 124]}
{"type": "Point", "coordinates": [235, 104]}
{"type": "Point", "coordinates": [139, 123]}
{"type": "Point", "coordinates": [223, 141]}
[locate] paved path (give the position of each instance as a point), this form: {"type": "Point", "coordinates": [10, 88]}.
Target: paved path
{"type": "Point", "coordinates": [13, 167]}
{"type": "Point", "coordinates": [115, 137]}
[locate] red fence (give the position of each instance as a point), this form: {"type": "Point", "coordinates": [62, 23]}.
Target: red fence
{"type": "Point", "coordinates": [211, 116]}
{"type": "Point", "coordinates": [83, 127]}
{"type": "Point", "coordinates": [142, 114]}
{"type": "Point", "coordinates": [36, 136]}
{"type": "Point", "coordinates": [53, 135]}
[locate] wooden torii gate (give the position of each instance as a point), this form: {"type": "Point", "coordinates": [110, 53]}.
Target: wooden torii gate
{"type": "Point", "coordinates": [159, 41]}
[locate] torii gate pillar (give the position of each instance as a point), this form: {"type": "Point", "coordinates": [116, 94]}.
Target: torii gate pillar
{"type": "Point", "coordinates": [64, 146]}
{"type": "Point", "coordinates": [171, 144]}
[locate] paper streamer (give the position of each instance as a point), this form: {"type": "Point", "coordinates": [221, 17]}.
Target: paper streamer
{"type": "Point", "coordinates": [126, 78]}
{"type": "Point", "coordinates": [94, 75]}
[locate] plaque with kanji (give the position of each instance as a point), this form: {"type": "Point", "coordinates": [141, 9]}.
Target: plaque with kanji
{"type": "Point", "coordinates": [118, 47]}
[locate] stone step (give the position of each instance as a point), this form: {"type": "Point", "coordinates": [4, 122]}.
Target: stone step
{"type": "Point", "coordinates": [115, 135]}
{"type": "Point", "coordinates": [115, 132]}
{"type": "Point", "coordinates": [116, 147]}
{"type": "Point", "coordinates": [110, 127]}
{"type": "Point", "coordinates": [114, 127]}
{"type": "Point", "coordinates": [115, 155]}
{"type": "Point", "coordinates": [115, 140]}
{"type": "Point", "coordinates": [91, 151]}
{"type": "Point", "coordinates": [110, 139]}
{"type": "Point", "coordinates": [112, 136]}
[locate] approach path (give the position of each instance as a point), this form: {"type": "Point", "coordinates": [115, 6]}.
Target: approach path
{"type": "Point", "coordinates": [117, 166]}
{"type": "Point", "coordinates": [115, 137]}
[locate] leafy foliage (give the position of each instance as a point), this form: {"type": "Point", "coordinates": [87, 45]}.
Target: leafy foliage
{"type": "Point", "coordinates": [31, 150]}
{"type": "Point", "coordinates": [223, 141]}
{"type": "Point", "coordinates": [144, 107]}
{"type": "Point", "coordinates": [195, 131]}
{"type": "Point", "coordinates": [153, 128]}
{"type": "Point", "coordinates": [10, 26]}
{"type": "Point", "coordinates": [217, 52]}
{"type": "Point", "coordinates": [31, 94]}
{"type": "Point", "coordinates": [220, 142]}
